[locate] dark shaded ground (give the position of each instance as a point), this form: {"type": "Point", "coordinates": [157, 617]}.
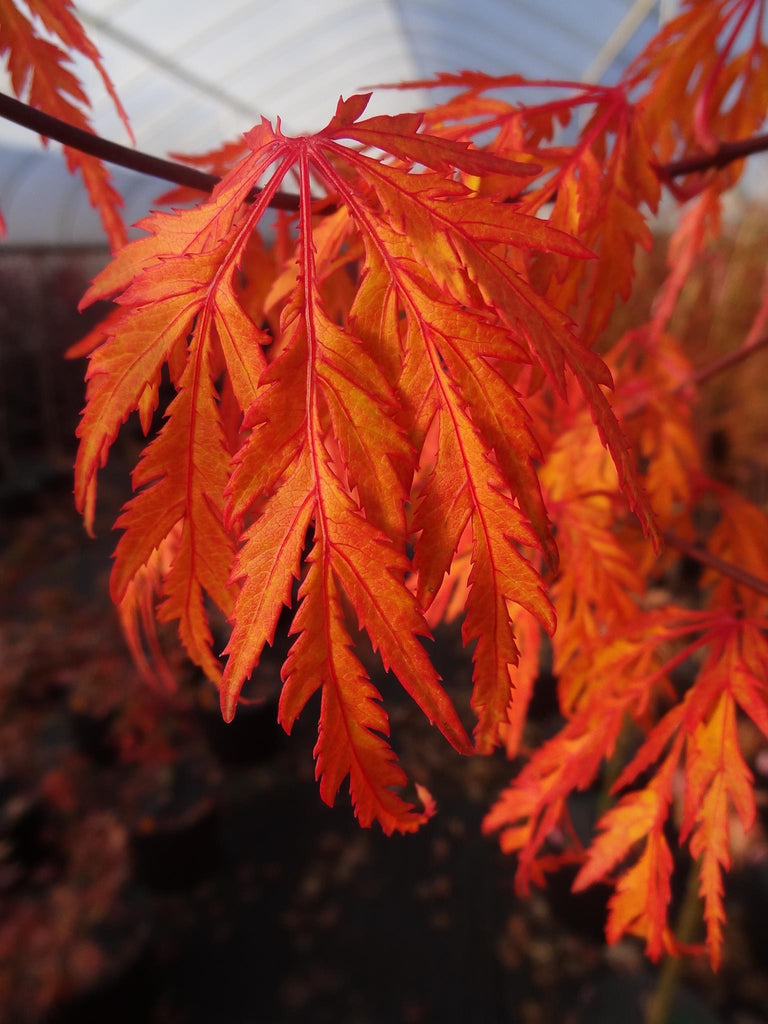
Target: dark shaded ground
{"type": "Point", "coordinates": [275, 908]}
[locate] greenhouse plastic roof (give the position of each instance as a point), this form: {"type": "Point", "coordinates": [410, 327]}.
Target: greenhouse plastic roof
{"type": "Point", "coordinates": [194, 75]}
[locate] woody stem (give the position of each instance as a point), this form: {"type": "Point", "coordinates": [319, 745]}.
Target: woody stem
{"type": "Point", "coordinates": [726, 362]}
{"type": "Point", "coordinates": [725, 154]}
{"type": "Point", "coordinates": [94, 145]}
{"type": "Point", "coordinates": [746, 579]}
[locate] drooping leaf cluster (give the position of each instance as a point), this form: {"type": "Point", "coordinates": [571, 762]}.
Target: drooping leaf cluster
{"type": "Point", "coordinates": [398, 405]}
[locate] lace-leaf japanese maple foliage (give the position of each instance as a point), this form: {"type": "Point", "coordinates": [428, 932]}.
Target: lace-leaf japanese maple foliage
{"type": "Point", "coordinates": [338, 419]}
{"type": "Point", "coordinates": [395, 413]}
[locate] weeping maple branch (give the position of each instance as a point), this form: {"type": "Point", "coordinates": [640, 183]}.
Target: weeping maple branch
{"type": "Point", "coordinates": [123, 156]}
{"type": "Point", "coordinates": [170, 170]}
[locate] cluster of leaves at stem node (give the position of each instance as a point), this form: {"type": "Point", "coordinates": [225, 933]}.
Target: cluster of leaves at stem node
{"type": "Point", "coordinates": [377, 431]}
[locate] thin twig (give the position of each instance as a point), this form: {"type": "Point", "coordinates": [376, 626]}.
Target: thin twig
{"type": "Point", "coordinates": [725, 154]}
{"type": "Point", "coordinates": [724, 362]}
{"type": "Point", "coordinates": [134, 159]}
{"type": "Point", "coordinates": [702, 374]}
{"type": "Point", "coordinates": [700, 554]}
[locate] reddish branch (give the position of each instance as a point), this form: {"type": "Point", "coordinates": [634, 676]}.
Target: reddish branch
{"type": "Point", "coordinates": [169, 170]}
{"type": "Point", "coordinates": [113, 153]}
{"type": "Point", "coordinates": [725, 154]}
{"type": "Point", "coordinates": [746, 579]}
{"type": "Point", "coordinates": [725, 362]}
